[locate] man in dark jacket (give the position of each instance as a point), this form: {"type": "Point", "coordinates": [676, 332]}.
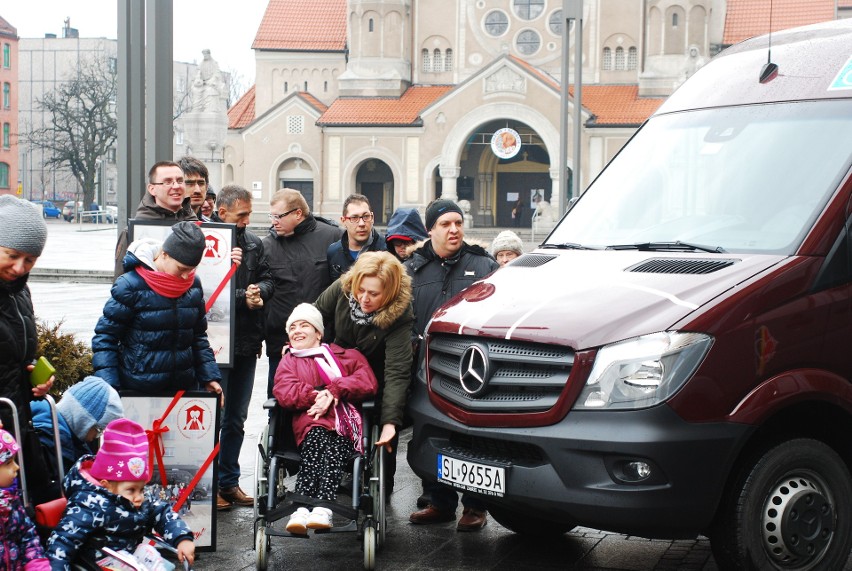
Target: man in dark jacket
{"type": "Point", "coordinates": [441, 268]}
{"type": "Point", "coordinates": [197, 180]}
{"type": "Point", "coordinates": [359, 237]}
{"type": "Point", "coordinates": [165, 199]}
{"type": "Point", "coordinates": [405, 228]}
{"type": "Point", "coordinates": [296, 247]}
{"type": "Point", "coordinates": [253, 285]}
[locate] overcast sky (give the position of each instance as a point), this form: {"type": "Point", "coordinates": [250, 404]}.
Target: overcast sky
{"type": "Point", "coordinates": [227, 29]}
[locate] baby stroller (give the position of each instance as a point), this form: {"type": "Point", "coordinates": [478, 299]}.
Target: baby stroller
{"type": "Point", "coordinates": [278, 457]}
{"type": "Point", "coordinates": [47, 515]}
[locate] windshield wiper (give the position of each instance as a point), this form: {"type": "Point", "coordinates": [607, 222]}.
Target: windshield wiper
{"type": "Point", "coordinates": [568, 246]}
{"type": "Point", "coordinates": [668, 246]}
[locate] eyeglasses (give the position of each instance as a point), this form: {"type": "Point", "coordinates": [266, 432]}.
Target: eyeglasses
{"type": "Point", "coordinates": [275, 217]}
{"type": "Point", "coordinates": [198, 182]}
{"type": "Point", "coordinates": [170, 182]}
{"type": "Point", "coordinates": [365, 217]}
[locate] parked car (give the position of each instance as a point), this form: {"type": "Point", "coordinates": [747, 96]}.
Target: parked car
{"type": "Point", "coordinates": [673, 360]}
{"type": "Point", "coordinates": [71, 211]}
{"type": "Point", "coordinates": [48, 209]}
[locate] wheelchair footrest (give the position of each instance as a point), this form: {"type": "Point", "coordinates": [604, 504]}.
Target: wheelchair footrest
{"type": "Point", "coordinates": [292, 499]}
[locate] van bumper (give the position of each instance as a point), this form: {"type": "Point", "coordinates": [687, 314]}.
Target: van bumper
{"type": "Point", "coordinates": [570, 472]}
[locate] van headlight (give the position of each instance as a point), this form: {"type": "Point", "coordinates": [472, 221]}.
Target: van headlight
{"type": "Point", "coordinates": [642, 372]}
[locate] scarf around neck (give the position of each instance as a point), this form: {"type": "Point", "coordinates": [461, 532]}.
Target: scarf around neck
{"type": "Point", "coordinates": [357, 314]}
{"type": "Point", "coordinates": [165, 284]}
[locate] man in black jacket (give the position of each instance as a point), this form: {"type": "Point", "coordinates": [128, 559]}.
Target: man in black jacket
{"type": "Point", "coordinates": [296, 246]}
{"type": "Point", "coordinates": [441, 268]}
{"type": "Point", "coordinates": [359, 237]}
{"type": "Point", "coordinates": [253, 286]}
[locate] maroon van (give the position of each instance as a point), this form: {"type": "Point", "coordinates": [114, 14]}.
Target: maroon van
{"type": "Point", "coordinates": [675, 359]}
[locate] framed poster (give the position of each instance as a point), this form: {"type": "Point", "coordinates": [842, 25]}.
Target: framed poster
{"type": "Point", "coordinates": [216, 277]}
{"type": "Point", "coordinates": [183, 430]}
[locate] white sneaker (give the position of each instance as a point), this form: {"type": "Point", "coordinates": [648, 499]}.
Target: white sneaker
{"type": "Point", "coordinates": [320, 518]}
{"type": "Point", "coordinates": [298, 524]}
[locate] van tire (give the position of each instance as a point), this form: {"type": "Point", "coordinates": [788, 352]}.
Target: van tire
{"type": "Point", "coordinates": [799, 488]}
{"type": "Point", "coordinates": [524, 524]}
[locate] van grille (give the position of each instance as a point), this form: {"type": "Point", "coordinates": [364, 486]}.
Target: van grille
{"type": "Point", "coordinates": [522, 377]}
{"type": "Point", "coordinates": [680, 266]}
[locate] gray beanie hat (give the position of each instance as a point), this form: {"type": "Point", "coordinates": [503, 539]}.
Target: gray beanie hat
{"type": "Point", "coordinates": [309, 313]}
{"type": "Point", "coordinates": [22, 226]}
{"type": "Point", "coordinates": [507, 240]}
{"type": "Point", "coordinates": [185, 244]}
{"type": "Point", "coordinates": [91, 402]}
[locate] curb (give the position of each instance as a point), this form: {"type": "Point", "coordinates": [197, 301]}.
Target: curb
{"type": "Point", "coordinates": [74, 276]}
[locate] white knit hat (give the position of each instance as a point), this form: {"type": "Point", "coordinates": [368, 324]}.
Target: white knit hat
{"type": "Point", "coordinates": [306, 312]}
{"type": "Point", "coordinates": [507, 240]}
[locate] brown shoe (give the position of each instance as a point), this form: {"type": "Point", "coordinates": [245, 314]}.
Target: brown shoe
{"type": "Point", "coordinates": [236, 496]}
{"type": "Point", "coordinates": [472, 520]}
{"type": "Point", "coordinates": [431, 515]}
{"type": "Point", "coordinates": [222, 503]}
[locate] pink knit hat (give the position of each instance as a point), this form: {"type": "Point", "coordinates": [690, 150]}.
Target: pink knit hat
{"type": "Point", "coordinates": [8, 446]}
{"type": "Point", "coordinates": [123, 456]}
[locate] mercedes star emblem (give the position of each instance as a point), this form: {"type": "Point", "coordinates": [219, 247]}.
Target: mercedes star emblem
{"type": "Point", "coordinates": [474, 370]}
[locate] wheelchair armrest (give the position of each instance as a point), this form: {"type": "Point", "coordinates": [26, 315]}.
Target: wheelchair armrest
{"type": "Point", "coordinates": [368, 406]}
{"type": "Point", "coordinates": [48, 514]}
{"type": "Point", "coordinates": [270, 404]}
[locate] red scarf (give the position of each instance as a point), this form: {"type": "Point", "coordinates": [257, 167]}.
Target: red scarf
{"type": "Point", "coordinates": [165, 284]}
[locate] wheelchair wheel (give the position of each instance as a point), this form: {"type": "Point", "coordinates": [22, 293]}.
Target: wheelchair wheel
{"type": "Point", "coordinates": [377, 491]}
{"type": "Point", "coordinates": [261, 546]}
{"type": "Point", "coordinates": [370, 546]}
{"type": "Point", "coordinates": [261, 487]}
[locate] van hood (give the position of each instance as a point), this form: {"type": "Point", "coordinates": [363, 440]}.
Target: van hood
{"type": "Point", "coordinates": [585, 299]}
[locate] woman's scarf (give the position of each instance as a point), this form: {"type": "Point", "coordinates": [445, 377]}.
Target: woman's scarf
{"type": "Point", "coordinates": [347, 419]}
{"type": "Point", "coordinates": [165, 284]}
{"type": "Point", "coordinates": [357, 314]}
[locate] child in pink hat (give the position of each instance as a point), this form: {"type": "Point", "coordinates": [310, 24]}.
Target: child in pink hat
{"type": "Point", "coordinates": [20, 547]}
{"type": "Point", "coordinates": [106, 501]}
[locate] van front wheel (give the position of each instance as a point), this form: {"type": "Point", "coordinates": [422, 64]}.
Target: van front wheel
{"type": "Point", "coordinates": [790, 509]}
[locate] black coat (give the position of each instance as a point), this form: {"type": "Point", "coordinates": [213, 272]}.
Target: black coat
{"type": "Point", "coordinates": [339, 258]}
{"type": "Point", "coordinates": [299, 269]}
{"type": "Point", "coordinates": [254, 269]}
{"type": "Point", "coordinates": [18, 342]}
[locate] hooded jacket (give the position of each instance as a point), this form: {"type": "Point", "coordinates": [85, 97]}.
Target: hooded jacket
{"type": "Point", "coordinates": [19, 542]}
{"type": "Point", "coordinates": [386, 343]}
{"type": "Point", "coordinates": [435, 280]}
{"type": "Point", "coordinates": [148, 209]}
{"type": "Point", "coordinates": [406, 222]}
{"type": "Point", "coordinates": [18, 342]}
{"type": "Point", "coordinates": [299, 269]}
{"type": "Point", "coordinates": [340, 259]}
{"type": "Point", "coordinates": [254, 269]}
{"type": "Point", "coordinates": [95, 515]}
{"type": "Point", "coordinates": [150, 343]}
{"type": "Point", "coordinates": [297, 379]}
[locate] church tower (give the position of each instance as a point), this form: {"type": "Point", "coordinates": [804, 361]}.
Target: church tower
{"type": "Point", "coordinates": [379, 62]}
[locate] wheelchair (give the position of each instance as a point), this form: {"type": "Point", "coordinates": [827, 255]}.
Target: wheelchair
{"type": "Point", "coordinates": [277, 457]}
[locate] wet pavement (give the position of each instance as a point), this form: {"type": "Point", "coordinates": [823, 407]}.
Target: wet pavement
{"type": "Point", "coordinates": [408, 547]}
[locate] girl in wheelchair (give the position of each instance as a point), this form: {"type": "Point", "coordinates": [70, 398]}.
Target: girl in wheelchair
{"type": "Point", "coordinates": [320, 383]}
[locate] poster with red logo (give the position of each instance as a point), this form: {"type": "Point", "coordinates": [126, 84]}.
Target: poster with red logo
{"type": "Point", "coordinates": [216, 274]}
{"type": "Point", "coordinates": [183, 441]}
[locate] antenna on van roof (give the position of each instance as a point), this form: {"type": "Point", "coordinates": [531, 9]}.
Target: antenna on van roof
{"type": "Point", "coordinates": [769, 71]}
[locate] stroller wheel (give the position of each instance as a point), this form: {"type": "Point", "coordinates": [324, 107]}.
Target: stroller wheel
{"type": "Point", "coordinates": [370, 544]}
{"type": "Point", "coordinates": [261, 546]}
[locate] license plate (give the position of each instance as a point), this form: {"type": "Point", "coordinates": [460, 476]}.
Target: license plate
{"type": "Point", "coordinates": [470, 476]}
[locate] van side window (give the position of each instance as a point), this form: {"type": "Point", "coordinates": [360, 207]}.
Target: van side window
{"type": "Point", "coordinates": [837, 269]}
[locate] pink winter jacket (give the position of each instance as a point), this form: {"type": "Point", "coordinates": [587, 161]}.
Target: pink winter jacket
{"type": "Point", "coordinates": [297, 381]}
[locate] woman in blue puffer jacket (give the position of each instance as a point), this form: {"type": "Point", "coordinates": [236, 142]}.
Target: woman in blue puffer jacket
{"type": "Point", "coordinates": [152, 336]}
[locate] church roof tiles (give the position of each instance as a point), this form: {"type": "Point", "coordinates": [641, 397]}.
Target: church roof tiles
{"type": "Point", "coordinates": [302, 25]}
{"type": "Point", "coordinates": [748, 18]}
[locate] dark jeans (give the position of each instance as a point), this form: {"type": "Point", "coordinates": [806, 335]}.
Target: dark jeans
{"type": "Point", "coordinates": [237, 384]}
{"type": "Point", "coordinates": [445, 498]}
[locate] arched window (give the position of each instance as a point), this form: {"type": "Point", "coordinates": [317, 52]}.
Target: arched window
{"type": "Point", "coordinates": [7, 95]}
{"type": "Point", "coordinates": [606, 63]}
{"type": "Point", "coordinates": [674, 20]}
{"type": "Point", "coordinates": [306, 87]}
{"type": "Point", "coordinates": [619, 58]}
{"type": "Point", "coordinates": [325, 86]}
{"type": "Point", "coordinates": [448, 60]}
{"type": "Point", "coordinates": [286, 87]}
{"type": "Point", "coordinates": [426, 64]}
{"type": "Point", "coordinates": [437, 64]}
{"type": "Point", "coordinates": [7, 135]}
{"type": "Point", "coordinates": [370, 25]}
{"type": "Point", "coordinates": [632, 58]}
{"type": "Point", "coordinates": [7, 56]}
{"type": "Point", "coordinates": [4, 175]}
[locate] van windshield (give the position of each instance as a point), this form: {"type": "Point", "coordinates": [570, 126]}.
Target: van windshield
{"type": "Point", "coordinates": [740, 179]}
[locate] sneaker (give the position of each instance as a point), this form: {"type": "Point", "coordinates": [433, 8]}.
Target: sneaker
{"type": "Point", "coordinates": [298, 524]}
{"type": "Point", "coordinates": [320, 518]}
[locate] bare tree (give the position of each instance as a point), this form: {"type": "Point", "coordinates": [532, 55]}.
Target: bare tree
{"type": "Point", "coordinates": [236, 86]}
{"type": "Point", "coordinates": [82, 125]}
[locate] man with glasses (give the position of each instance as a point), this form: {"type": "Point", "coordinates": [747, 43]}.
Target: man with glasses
{"type": "Point", "coordinates": [296, 245]}
{"type": "Point", "coordinates": [165, 199]}
{"type": "Point", "coordinates": [196, 177]}
{"type": "Point", "coordinates": [359, 237]}
{"type": "Point", "coordinates": [253, 286]}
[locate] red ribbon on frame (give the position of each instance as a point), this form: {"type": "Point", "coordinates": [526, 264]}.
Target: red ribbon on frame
{"type": "Point", "coordinates": [221, 286]}
{"type": "Point", "coordinates": [156, 449]}
{"type": "Point", "coordinates": [197, 478]}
